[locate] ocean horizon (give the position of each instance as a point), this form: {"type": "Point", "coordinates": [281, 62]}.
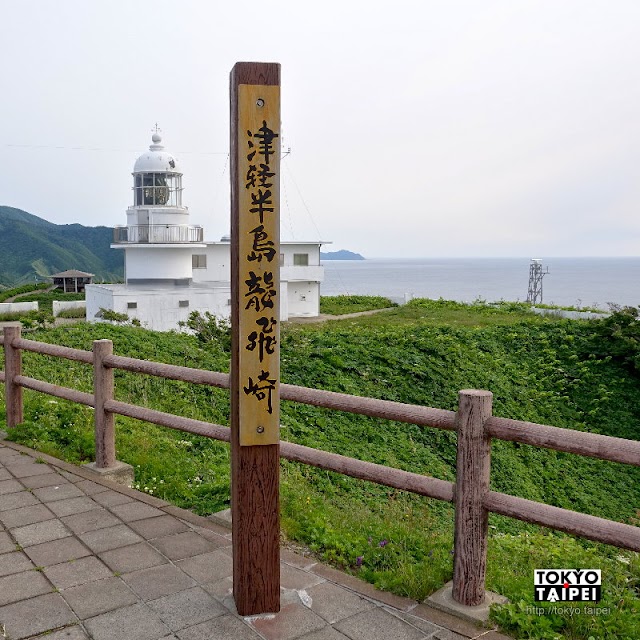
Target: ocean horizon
{"type": "Point", "coordinates": [579, 282]}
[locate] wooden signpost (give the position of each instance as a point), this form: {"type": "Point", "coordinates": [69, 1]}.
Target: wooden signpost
{"type": "Point", "coordinates": [255, 319]}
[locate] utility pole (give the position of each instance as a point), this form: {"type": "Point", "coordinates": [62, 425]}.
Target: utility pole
{"type": "Point", "coordinates": [534, 294]}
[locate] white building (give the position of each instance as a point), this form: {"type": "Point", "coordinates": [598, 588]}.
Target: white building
{"type": "Point", "coordinates": [171, 271]}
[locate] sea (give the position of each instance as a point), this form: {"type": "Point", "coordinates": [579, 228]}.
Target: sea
{"type": "Point", "coordinates": [577, 282]}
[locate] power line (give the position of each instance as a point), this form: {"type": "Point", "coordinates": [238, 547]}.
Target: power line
{"type": "Point", "coordinates": [108, 150]}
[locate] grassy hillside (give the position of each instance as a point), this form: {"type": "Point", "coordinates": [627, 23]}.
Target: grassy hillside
{"type": "Point", "coordinates": [31, 246]}
{"type": "Point", "coordinates": [578, 375]}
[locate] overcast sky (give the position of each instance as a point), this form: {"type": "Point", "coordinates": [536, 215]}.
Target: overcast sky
{"type": "Point", "coordinates": [417, 128]}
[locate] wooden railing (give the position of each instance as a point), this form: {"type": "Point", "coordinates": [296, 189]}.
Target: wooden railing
{"type": "Point", "coordinates": [473, 422]}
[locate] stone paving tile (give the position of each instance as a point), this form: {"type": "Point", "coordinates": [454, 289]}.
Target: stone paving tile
{"type": "Point", "coordinates": [6, 543]}
{"type": "Point", "coordinates": [90, 521]}
{"type": "Point", "coordinates": [68, 633]}
{"type": "Point", "coordinates": [40, 532]}
{"type": "Point", "coordinates": [297, 560]}
{"type": "Point", "coordinates": [213, 536]}
{"type": "Point", "coordinates": [57, 492]}
{"type": "Point", "coordinates": [20, 586]}
{"type": "Point", "coordinates": [363, 588]}
{"type": "Point", "coordinates": [71, 505]}
{"type": "Point", "coordinates": [71, 477]}
{"type": "Point", "coordinates": [10, 486]}
{"type": "Point", "coordinates": [158, 527]}
{"type": "Point", "coordinates": [135, 511]}
{"type": "Point", "coordinates": [16, 500]}
{"type": "Point", "coordinates": [333, 603]}
{"type": "Point", "coordinates": [5, 475]}
{"type": "Point", "coordinates": [90, 488]}
{"type": "Point", "coordinates": [75, 572]}
{"type": "Point", "coordinates": [226, 627]}
{"type": "Point", "coordinates": [422, 624]}
{"type": "Point", "coordinates": [25, 469]}
{"type": "Point", "coordinates": [292, 621]}
{"type": "Point", "coordinates": [7, 456]}
{"type": "Point", "coordinates": [182, 545]}
{"type": "Point", "coordinates": [37, 615]}
{"type": "Point", "coordinates": [159, 581]}
{"type": "Point", "coordinates": [110, 538]}
{"type": "Point", "coordinates": [435, 616]}
{"type": "Point", "coordinates": [47, 480]}
{"type": "Point", "coordinates": [220, 589]}
{"type": "Point", "coordinates": [25, 515]}
{"type": "Point", "coordinates": [15, 562]}
{"type": "Point", "coordinates": [292, 578]}
{"type": "Point", "coordinates": [57, 551]}
{"type": "Point", "coordinates": [209, 567]}
{"type": "Point", "coordinates": [94, 598]}
{"type": "Point", "coordinates": [378, 624]}
{"type": "Point", "coordinates": [328, 633]}
{"type": "Point", "coordinates": [132, 558]}
{"type": "Point", "coordinates": [447, 634]}
{"type": "Point", "coordinates": [185, 608]}
{"type": "Point", "coordinates": [111, 498]}
{"type": "Point", "coordinates": [135, 622]}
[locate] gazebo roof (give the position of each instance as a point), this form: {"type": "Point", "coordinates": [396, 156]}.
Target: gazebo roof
{"type": "Point", "coordinates": [72, 273]}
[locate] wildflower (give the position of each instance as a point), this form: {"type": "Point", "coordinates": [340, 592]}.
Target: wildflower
{"type": "Point", "coordinates": [430, 554]}
{"type": "Point", "coordinates": [369, 540]}
{"type": "Point", "coordinates": [383, 543]}
{"type": "Point", "coordinates": [359, 560]}
{"type": "Point", "coordinates": [308, 499]}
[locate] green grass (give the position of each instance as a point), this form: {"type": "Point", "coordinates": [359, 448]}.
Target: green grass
{"type": "Point", "coordinates": [45, 300]}
{"type": "Point", "coordinates": [10, 293]}
{"type": "Point", "coordinates": [338, 305]}
{"type": "Point", "coordinates": [539, 369]}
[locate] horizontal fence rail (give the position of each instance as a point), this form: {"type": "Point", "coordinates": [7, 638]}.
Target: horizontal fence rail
{"type": "Point", "coordinates": [470, 493]}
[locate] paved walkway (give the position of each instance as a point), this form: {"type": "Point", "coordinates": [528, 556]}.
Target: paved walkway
{"type": "Point", "coordinates": [82, 559]}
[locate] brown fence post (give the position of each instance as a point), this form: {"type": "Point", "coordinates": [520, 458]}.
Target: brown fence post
{"type": "Point", "coordinates": [472, 484]}
{"type": "Point", "coordinates": [104, 421]}
{"type": "Point", "coordinates": [13, 368]}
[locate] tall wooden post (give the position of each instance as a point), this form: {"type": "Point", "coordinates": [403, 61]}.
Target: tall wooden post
{"type": "Point", "coordinates": [12, 368]}
{"type": "Point", "coordinates": [104, 421]}
{"type": "Point", "coordinates": [472, 484]}
{"type": "Point", "coordinates": [255, 319]}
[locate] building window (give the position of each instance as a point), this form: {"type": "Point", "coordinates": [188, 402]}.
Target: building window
{"type": "Point", "coordinates": [183, 303]}
{"type": "Point", "coordinates": [199, 261]}
{"type": "Point", "coordinates": [282, 259]}
{"type": "Point", "coordinates": [132, 305]}
{"type": "Point", "coordinates": [300, 259]}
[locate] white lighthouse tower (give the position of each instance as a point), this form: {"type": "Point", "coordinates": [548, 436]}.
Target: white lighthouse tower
{"type": "Point", "coordinates": [158, 240]}
{"type": "Point", "coordinates": [170, 271]}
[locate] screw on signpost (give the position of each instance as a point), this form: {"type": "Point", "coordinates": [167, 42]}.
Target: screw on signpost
{"type": "Point", "coordinates": [255, 365]}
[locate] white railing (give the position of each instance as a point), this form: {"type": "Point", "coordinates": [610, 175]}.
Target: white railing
{"type": "Point", "coordinates": [157, 233]}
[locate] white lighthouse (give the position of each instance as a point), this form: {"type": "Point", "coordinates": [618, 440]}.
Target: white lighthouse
{"type": "Point", "coordinates": [158, 240]}
{"type": "Point", "coordinates": [170, 271]}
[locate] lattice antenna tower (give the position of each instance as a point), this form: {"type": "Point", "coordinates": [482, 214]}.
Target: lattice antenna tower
{"type": "Point", "coordinates": [536, 273]}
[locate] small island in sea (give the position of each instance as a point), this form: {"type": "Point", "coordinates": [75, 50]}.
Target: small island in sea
{"type": "Point", "coordinates": [341, 255]}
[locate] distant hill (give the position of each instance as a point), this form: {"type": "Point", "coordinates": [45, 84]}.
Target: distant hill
{"type": "Point", "coordinates": [31, 246]}
{"type": "Point", "coordinates": [341, 255]}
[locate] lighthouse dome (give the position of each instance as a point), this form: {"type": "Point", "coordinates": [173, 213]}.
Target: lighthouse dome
{"type": "Point", "coordinates": [157, 159]}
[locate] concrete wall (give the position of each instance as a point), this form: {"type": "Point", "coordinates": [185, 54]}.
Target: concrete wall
{"type": "Point", "coordinates": [158, 263]}
{"type": "Point", "coordinates": [18, 307]}
{"type": "Point", "coordinates": [303, 299]}
{"type": "Point", "coordinates": [158, 309]}
{"type": "Point", "coordinates": [62, 305]}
